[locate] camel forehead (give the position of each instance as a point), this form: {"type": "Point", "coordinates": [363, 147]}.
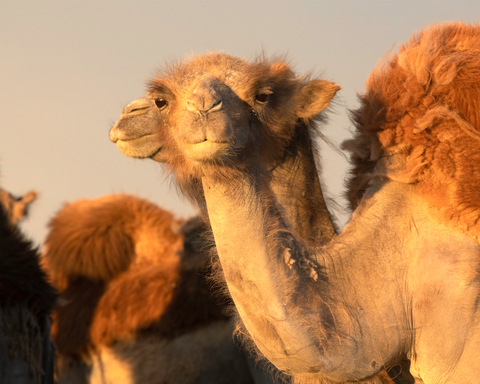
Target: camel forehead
{"type": "Point", "coordinates": [237, 73]}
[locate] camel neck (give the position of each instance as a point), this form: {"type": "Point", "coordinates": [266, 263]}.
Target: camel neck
{"type": "Point", "coordinates": [296, 185]}
{"type": "Point", "coordinates": [278, 284]}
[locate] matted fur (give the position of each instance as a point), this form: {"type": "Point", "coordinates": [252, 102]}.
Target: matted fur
{"type": "Point", "coordinates": [419, 122]}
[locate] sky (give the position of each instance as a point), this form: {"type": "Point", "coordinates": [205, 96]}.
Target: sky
{"type": "Point", "coordinates": [67, 69]}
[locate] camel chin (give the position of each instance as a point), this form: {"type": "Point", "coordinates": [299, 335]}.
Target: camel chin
{"type": "Point", "coordinates": [143, 147]}
{"type": "Point", "coordinates": [208, 151]}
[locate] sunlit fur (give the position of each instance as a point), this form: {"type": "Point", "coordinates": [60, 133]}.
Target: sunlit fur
{"type": "Point", "coordinates": [88, 240]}
{"type": "Point", "coordinates": [424, 103]}
{"type": "Point", "coordinates": [105, 240]}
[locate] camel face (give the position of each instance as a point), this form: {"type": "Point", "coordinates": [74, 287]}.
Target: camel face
{"type": "Point", "coordinates": [217, 110]}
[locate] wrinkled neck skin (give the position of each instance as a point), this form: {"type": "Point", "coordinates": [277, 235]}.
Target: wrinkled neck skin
{"type": "Point", "coordinates": [297, 188]}
{"type": "Point", "coordinates": [345, 310]}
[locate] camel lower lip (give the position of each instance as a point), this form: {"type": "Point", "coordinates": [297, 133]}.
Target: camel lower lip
{"type": "Point", "coordinates": [207, 150]}
{"type": "Point", "coordinates": [142, 147]}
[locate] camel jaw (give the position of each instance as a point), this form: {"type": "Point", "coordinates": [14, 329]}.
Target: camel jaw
{"type": "Point", "coordinates": [208, 151]}
{"type": "Point", "coordinates": [147, 146]}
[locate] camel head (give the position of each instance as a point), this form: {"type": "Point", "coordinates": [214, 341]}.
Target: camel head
{"type": "Point", "coordinates": [16, 207]}
{"type": "Point", "coordinates": [216, 112]}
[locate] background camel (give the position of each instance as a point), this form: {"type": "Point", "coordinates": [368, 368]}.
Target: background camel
{"type": "Point", "coordinates": [136, 305]}
{"type": "Point", "coordinates": [16, 207]}
{"type": "Point", "coordinates": [285, 144]}
{"type": "Point", "coordinates": [311, 311]}
{"type": "Point", "coordinates": [26, 353]}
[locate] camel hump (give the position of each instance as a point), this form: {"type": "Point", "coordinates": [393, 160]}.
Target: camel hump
{"type": "Point", "coordinates": [422, 105]}
{"type": "Point", "coordinates": [100, 238]}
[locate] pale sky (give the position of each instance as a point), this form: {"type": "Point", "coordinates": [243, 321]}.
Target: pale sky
{"type": "Point", "coordinates": [67, 68]}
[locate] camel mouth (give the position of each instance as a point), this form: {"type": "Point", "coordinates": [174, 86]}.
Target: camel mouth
{"type": "Point", "coordinates": [142, 147]}
{"type": "Point", "coordinates": [207, 151]}
{"type": "Point", "coordinates": [159, 156]}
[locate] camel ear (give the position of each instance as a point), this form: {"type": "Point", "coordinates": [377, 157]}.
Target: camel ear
{"type": "Point", "coordinates": [314, 97]}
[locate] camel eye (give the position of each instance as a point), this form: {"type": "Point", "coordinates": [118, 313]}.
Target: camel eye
{"type": "Point", "coordinates": [262, 97]}
{"type": "Point", "coordinates": [161, 103]}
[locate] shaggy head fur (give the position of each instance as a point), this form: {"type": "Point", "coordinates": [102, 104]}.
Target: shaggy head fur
{"type": "Point", "coordinates": [218, 114]}
{"type": "Point", "coordinates": [419, 122]}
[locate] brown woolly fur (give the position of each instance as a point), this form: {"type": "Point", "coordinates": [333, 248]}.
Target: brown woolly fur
{"type": "Point", "coordinates": [98, 239]}
{"type": "Point", "coordinates": [173, 301]}
{"type": "Point", "coordinates": [423, 106]}
{"type": "Point", "coordinates": [94, 243]}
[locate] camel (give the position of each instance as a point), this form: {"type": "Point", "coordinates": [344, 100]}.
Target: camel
{"type": "Point", "coordinates": [140, 132]}
{"type": "Point", "coordinates": [402, 277]}
{"type": "Point", "coordinates": [26, 352]}
{"type": "Point", "coordinates": [136, 306]}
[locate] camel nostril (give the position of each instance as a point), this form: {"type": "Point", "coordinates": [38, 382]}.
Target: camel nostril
{"type": "Point", "coordinates": [204, 103]}
{"type": "Point", "coordinates": [191, 106]}
{"type": "Point", "coordinates": [112, 134]}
